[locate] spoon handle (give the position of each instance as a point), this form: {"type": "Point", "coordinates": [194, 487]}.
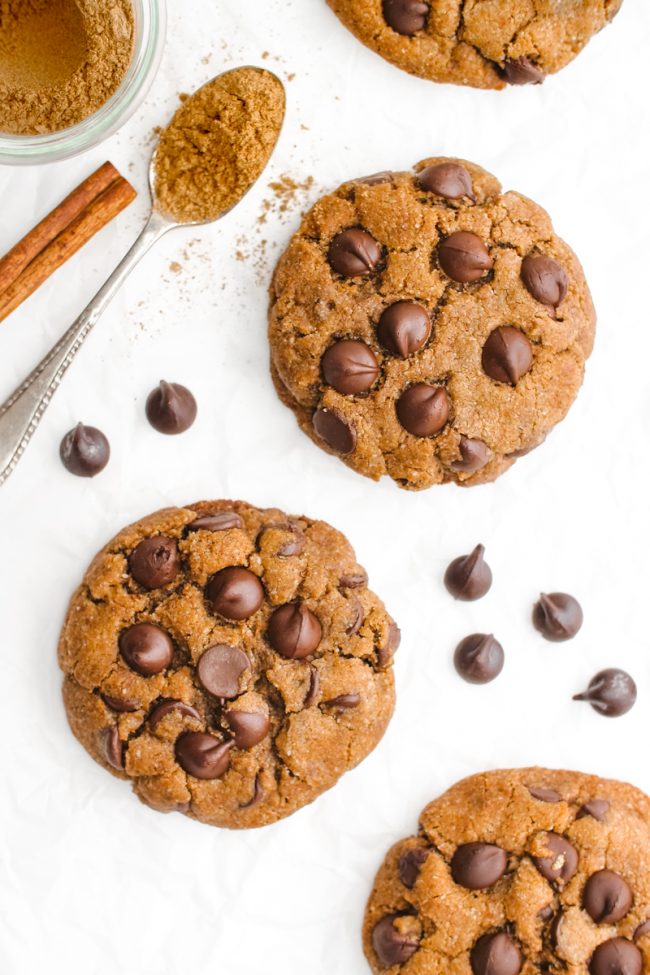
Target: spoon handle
{"type": "Point", "coordinates": [21, 414]}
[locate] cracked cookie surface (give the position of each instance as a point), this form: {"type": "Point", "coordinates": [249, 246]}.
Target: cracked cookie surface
{"type": "Point", "coordinates": [428, 326]}
{"type": "Point", "coordinates": [525, 871]}
{"type": "Point", "coordinates": [481, 43]}
{"type": "Point", "coordinates": [230, 661]}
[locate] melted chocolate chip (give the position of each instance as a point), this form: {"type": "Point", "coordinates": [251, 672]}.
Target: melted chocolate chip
{"type": "Point", "coordinates": [496, 954]}
{"type": "Point", "coordinates": [387, 651]}
{"type": "Point", "coordinates": [220, 522]}
{"type": "Point", "coordinates": [357, 619]}
{"type": "Point", "coordinates": [423, 410]}
{"type": "Point", "coordinates": [544, 279]}
{"type": "Point", "coordinates": [84, 451]}
{"type": "Point", "coordinates": [523, 71]}
{"type": "Point", "coordinates": [337, 432]}
{"type": "Point", "coordinates": [170, 408]}
{"type": "Point", "coordinates": [507, 355]}
{"type": "Point", "coordinates": [410, 865]}
{"type": "Point", "coordinates": [544, 795]}
{"type": "Point", "coordinates": [611, 692]}
{"type": "Point", "coordinates": [449, 180]}
{"type": "Point", "coordinates": [477, 866]}
{"type": "Point", "coordinates": [314, 687]}
{"type": "Point", "coordinates": [596, 808]}
{"type": "Point", "coordinates": [113, 748]}
{"type": "Point", "coordinates": [353, 580]}
{"type": "Point", "coordinates": [219, 670]}
{"type": "Point", "coordinates": [294, 631]}
{"type": "Point", "coordinates": [235, 593]}
{"type": "Point", "coordinates": [203, 755]}
{"type": "Point", "coordinates": [392, 945]}
{"type": "Point", "coordinates": [376, 179]}
{"type": "Point", "coordinates": [295, 545]}
{"type": "Point", "coordinates": [618, 956]}
{"type": "Point", "coordinates": [561, 865]}
{"type": "Point", "coordinates": [258, 794]}
{"type": "Point", "coordinates": [249, 728]}
{"type": "Point", "coordinates": [404, 328]}
{"type": "Point", "coordinates": [642, 930]}
{"type": "Point", "coordinates": [171, 706]}
{"type": "Point", "coordinates": [354, 253]}
{"type": "Point", "coordinates": [479, 658]}
{"type": "Point", "coordinates": [474, 455]}
{"type": "Point", "coordinates": [406, 16]}
{"type": "Point", "coordinates": [469, 577]}
{"type": "Point", "coordinates": [146, 648]}
{"type": "Point", "coordinates": [464, 257]}
{"type": "Point", "coordinates": [344, 702]}
{"type": "Point", "coordinates": [557, 616]}
{"type": "Point", "coordinates": [117, 704]}
{"type": "Point", "coordinates": [155, 562]}
{"type": "Point", "coordinates": [350, 367]}
{"type": "Point", "coordinates": [606, 898]}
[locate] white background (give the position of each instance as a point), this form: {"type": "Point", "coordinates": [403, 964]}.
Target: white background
{"type": "Point", "coordinates": [93, 882]}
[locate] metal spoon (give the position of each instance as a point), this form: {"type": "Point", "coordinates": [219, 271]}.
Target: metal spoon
{"type": "Point", "coordinates": [21, 414]}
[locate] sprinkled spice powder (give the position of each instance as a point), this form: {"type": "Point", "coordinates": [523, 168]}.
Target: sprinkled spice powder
{"type": "Point", "coordinates": [60, 60]}
{"type": "Point", "coordinates": [217, 144]}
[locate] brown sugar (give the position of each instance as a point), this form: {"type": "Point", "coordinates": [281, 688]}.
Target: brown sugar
{"type": "Point", "coordinates": [217, 144]}
{"type": "Point", "coordinates": [60, 60]}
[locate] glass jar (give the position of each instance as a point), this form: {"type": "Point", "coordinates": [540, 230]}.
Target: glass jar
{"type": "Point", "coordinates": [150, 26]}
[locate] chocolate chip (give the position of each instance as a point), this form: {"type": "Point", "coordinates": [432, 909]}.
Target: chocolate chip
{"type": "Point", "coordinates": [335, 430]}
{"type": "Point", "coordinates": [544, 279]}
{"type": "Point", "coordinates": [393, 946]}
{"type": "Point", "coordinates": [545, 914]}
{"type": "Point", "coordinates": [479, 658]}
{"type": "Point", "coordinates": [235, 593]}
{"type": "Point", "coordinates": [354, 253]}
{"type": "Point", "coordinates": [561, 865]}
{"type": "Point", "coordinates": [113, 748]}
{"type": "Point", "coordinates": [406, 16]}
{"type": "Point", "coordinates": [258, 794]}
{"type": "Point", "coordinates": [544, 795]}
{"type": "Point", "coordinates": [611, 692]}
{"type": "Point", "coordinates": [314, 687]}
{"type": "Point", "coordinates": [642, 930]}
{"type": "Point", "coordinates": [350, 367]}
{"type": "Point", "coordinates": [423, 410]}
{"type": "Point", "coordinates": [618, 956]}
{"type": "Point", "coordinates": [404, 328]}
{"type": "Point", "coordinates": [220, 668]}
{"type": "Point", "coordinates": [596, 808]}
{"type": "Point", "coordinates": [464, 257]}
{"type": "Point", "coordinates": [477, 866]}
{"type": "Point", "coordinates": [146, 648]}
{"type": "Point", "coordinates": [171, 706]}
{"type": "Point", "coordinates": [220, 522]}
{"type": "Point", "coordinates": [410, 865]}
{"type": "Point", "coordinates": [170, 408]}
{"type": "Point", "coordinates": [294, 631]}
{"type": "Point", "coordinates": [353, 580]}
{"type": "Point", "coordinates": [607, 897]}
{"type": "Point", "coordinates": [507, 355]}
{"type": "Point", "coordinates": [249, 728]}
{"type": "Point", "coordinates": [84, 451]}
{"type": "Point", "coordinates": [354, 625]}
{"type": "Point", "coordinates": [555, 930]}
{"type": "Point", "coordinates": [496, 954]}
{"type": "Point", "coordinates": [375, 179]}
{"type": "Point", "coordinates": [155, 562]}
{"type": "Point", "coordinates": [389, 648]}
{"type": "Point", "coordinates": [203, 755]}
{"type": "Point", "coordinates": [469, 577]}
{"type": "Point", "coordinates": [449, 180]}
{"type": "Point", "coordinates": [523, 71]}
{"type": "Point", "coordinates": [295, 545]}
{"type": "Point", "coordinates": [117, 704]}
{"type": "Point", "coordinates": [557, 616]}
{"type": "Point", "coordinates": [346, 702]}
{"type": "Point", "coordinates": [474, 455]}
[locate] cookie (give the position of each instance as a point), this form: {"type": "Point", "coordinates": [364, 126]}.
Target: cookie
{"type": "Point", "coordinates": [481, 43]}
{"type": "Point", "coordinates": [230, 662]}
{"type": "Point", "coordinates": [428, 326]}
{"type": "Point", "coordinates": [518, 871]}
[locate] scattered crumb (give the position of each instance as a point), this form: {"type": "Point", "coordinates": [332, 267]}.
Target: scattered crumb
{"type": "Point", "coordinates": [175, 267]}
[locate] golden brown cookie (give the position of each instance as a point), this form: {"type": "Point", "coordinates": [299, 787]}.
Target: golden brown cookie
{"type": "Point", "coordinates": [428, 326]}
{"type": "Point", "coordinates": [482, 43]}
{"type": "Point", "coordinates": [230, 661]}
{"type": "Point", "coordinates": [518, 871]}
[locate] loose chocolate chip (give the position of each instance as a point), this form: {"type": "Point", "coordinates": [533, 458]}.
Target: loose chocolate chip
{"type": "Point", "coordinates": [235, 593]}
{"type": "Point", "coordinates": [258, 794]}
{"type": "Point", "coordinates": [314, 687]}
{"type": "Point", "coordinates": [469, 577]}
{"type": "Point", "coordinates": [220, 668]}
{"type": "Point", "coordinates": [618, 956]}
{"type": "Point", "coordinates": [220, 522]}
{"type": "Point", "coordinates": [346, 702]}
{"type": "Point", "coordinates": [544, 795]}
{"type": "Point", "coordinates": [561, 866]}
{"type": "Point", "coordinates": [113, 748]}
{"type": "Point", "coordinates": [170, 408]}
{"type": "Point", "coordinates": [337, 432]}
{"type": "Point", "coordinates": [249, 728]}
{"type": "Point", "coordinates": [404, 328]}
{"type": "Point", "coordinates": [611, 692]}
{"type": "Point", "coordinates": [350, 367]}
{"type": "Point", "coordinates": [523, 71]}
{"type": "Point", "coordinates": [557, 616]}
{"type": "Point", "coordinates": [474, 455]}
{"type": "Point", "coordinates": [410, 864]}
{"type": "Point", "coordinates": [354, 625]}
{"type": "Point", "coordinates": [84, 451]}
{"type": "Point", "coordinates": [423, 410]}
{"type": "Point", "coordinates": [146, 648]}
{"type": "Point", "coordinates": [596, 808]}
{"type": "Point", "coordinates": [406, 16]}
{"type": "Point", "coordinates": [171, 706]}
{"type": "Point", "coordinates": [294, 631]}
{"type": "Point", "coordinates": [392, 946]}
{"type": "Point", "coordinates": [353, 580]}
{"type": "Point", "coordinates": [389, 648]}
{"type": "Point", "coordinates": [477, 866]}
{"type": "Point", "coordinates": [642, 930]}
{"type": "Point", "coordinates": [155, 562]}
{"type": "Point", "coordinates": [507, 355]}
{"type": "Point", "coordinates": [606, 897]}
{"type": "Point", "coordinates": [479, 658]}
{"type": "Point", "coordinates": [354, 253]}
{"type": "Point", "coordinates": [203, 755]}
{"type": "Point", "coordinates": [496, 954]}
{"type": "Point", "coordinates": [464, 257]}
{"type": "Point", "coordinates": [449, 180]}
{"type": "Point", "coordinates": [117, 704]}
{"type": "Point", "coordinates": [544, 279]}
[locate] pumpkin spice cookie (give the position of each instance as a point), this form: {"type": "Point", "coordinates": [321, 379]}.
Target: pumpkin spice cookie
{"type": "Point", "coordinates": [518, 871]}
{"type": "Point", "coordinates": [481, 43]}
{"type": "Point", "coordinates": [230, 661]}
{"type": "Point", "coordinates": [428, 326]}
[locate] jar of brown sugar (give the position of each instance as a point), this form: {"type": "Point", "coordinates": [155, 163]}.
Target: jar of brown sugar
{"type": "Point", "coordinates": [72, 72]}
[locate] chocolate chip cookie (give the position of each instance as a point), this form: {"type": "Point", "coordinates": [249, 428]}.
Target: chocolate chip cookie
{"type": "Point", "coordinates": [428, 326]}
{"type": "Point", "coordinates": [518, 871]}
{"type": "Point", "coordinates": [482, 43]}
{"type": "Point", "coordinates": [230, 661]}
